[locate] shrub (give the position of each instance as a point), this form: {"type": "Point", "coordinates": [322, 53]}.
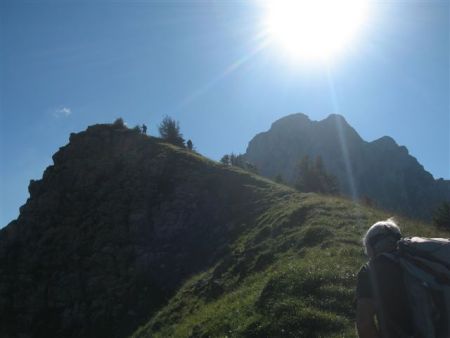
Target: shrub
{"type": "Point", "coordinates": [312, 177]}
{"type": "Point", "coordinates": [118, 123]}
{"type": "Point", "coordinates": [238, 161]}
{"type": "Point", "coordinates": [169, 129]}
{"type": "Point", "coordinates": [441, 216]}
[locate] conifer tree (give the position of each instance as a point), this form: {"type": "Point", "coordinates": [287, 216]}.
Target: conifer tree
{"type": "Point", "coordinates": [169, 129]}
{"type": "Point", "coordinates": [225, 159]}
{"type": "Point", "coordinates": [119, 123]}
{"type": "Point", "coordinates": [233, 159]}
{"type": "Point", "coordinates": [442, 215]}
{"type": "Point", "coordinates": [279, 179]}
{"type": "Point", "coordinates": [250, 167]}
{"type": "Point", "coordinates": [238, 161]}
{"type": "Point", "coordinates": [312, 177]}
{"type": "Point", "coordinates": [303, 181]}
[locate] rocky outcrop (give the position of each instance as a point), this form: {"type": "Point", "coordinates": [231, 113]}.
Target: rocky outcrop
{"type": "Point", "coordinates": [380, 170]}
{"type": "Point", "coordinates": [110, 231]}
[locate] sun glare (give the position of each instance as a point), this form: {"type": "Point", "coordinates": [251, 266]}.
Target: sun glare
{"type": "Point", "coordinates": [314, 29]}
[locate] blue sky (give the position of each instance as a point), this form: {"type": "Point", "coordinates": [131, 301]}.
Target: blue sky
{"type": "Point", "coordinates": [65, 65]}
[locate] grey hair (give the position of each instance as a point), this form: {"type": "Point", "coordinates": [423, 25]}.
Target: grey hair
{"type": "Point", "coordinates": [388, 227]}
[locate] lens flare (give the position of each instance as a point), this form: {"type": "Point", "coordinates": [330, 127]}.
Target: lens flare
{"type": "Point", "coordinates": [314, 28]}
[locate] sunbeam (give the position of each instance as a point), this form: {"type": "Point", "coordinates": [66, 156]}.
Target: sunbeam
{"type": "Point", "coordinates": [228, 70]}
{"type": "Point", "coordinates": [342, 140]}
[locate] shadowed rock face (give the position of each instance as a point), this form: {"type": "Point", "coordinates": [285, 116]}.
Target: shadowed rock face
{"type": "Point", "coordinates": [110, 231]}
{"type": "Point", "coordinates": [380, 170]}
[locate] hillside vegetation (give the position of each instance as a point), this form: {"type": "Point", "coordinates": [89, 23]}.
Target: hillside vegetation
{"type": "Point", "coordinates": [127, 235]}
{"type": "Point", "coordinates": [291, 273]}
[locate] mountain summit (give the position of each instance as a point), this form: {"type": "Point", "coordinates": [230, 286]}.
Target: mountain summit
{"type": "Point", "coordinates": [380, 170]}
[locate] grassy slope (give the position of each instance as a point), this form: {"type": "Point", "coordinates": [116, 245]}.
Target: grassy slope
{"type": "Point", "coordinates": [290, 273]}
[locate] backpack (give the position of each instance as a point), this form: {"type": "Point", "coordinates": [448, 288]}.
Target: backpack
{"type": "Point", "coordinates": [425, 263]}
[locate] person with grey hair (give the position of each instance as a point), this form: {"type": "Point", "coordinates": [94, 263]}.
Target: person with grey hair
{"type": "Point", "coordinates": [382, 308]}
{"type": "Point", "coordinates": [381, 237]}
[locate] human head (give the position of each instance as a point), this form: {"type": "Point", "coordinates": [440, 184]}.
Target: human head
{"type": "Point", "coordinates": [381, 237]}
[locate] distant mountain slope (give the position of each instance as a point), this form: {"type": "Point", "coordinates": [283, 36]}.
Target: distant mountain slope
{"type": "Point", "coordinates": [380, 170]}
{"type": "Point", "coordinates": [126, 231]}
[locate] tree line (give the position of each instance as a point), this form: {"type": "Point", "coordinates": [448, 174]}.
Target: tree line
{"type": "Point", "coordinates": [238, 161]}
{"type": "Point", "coordinates": [169, 131]}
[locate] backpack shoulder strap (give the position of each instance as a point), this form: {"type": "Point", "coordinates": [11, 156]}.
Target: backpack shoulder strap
{"type": "Point", "coordinates": [374, 279]}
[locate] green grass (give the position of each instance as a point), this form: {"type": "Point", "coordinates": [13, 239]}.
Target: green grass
{"type": "Point", "coordinates": [289, 272]}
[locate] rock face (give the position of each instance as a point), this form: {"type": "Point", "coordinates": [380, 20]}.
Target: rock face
{"type": "Point", "coordinates": [112, 228]}
{"type": "Point", "coordinates": [380, 170]}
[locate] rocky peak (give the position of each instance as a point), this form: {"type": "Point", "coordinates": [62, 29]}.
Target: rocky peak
{"type": "Point", "coordinates": [381, 170]}
{"type": "Point", "coordinates": [385, 141]}
{"type": "Point", "coordinates": [335, 117]}
{"type": "Point", "coordinates": [297, 119]}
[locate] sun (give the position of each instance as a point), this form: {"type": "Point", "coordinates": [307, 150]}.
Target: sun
{"type": "Point", "coordinates": [314, 29]}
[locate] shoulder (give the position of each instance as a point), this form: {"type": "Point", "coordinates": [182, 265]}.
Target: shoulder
{"type": "Point", "coordinates": [385, 263]}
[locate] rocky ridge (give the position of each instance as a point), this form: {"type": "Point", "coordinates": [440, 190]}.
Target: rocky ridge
{"type": "Point", "coordinates": [110, 231]}
{"type": "Point", "coordinates": [380, 170]}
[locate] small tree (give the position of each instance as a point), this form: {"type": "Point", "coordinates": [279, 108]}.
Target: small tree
{"type": "Point", "coordinates": [225, 159]}
{"type": "Point", "coordinates": [367, 201]}
{"type": "Point", "coordinates": [118, 123]}
{"type": "Point", "coordinates": [441, 216]}
{"type": "Point", "coordinates": [313, 177]}
{"type": "Point", "coordinates": [234, 160]}
{"type": "Point", "coordinates": [169, 129]}
{"type": "Point", "coordinates": [250, 167]}
{"type": "Point", "coordinates": [303, 181]}
{"type": "Point", "coordinates": [279, 179]}
{"type": "Point", "coordinates": [238, 161]}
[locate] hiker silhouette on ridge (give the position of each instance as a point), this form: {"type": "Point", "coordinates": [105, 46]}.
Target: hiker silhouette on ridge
{"type": "Point", "coordinates": [144, 128]}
